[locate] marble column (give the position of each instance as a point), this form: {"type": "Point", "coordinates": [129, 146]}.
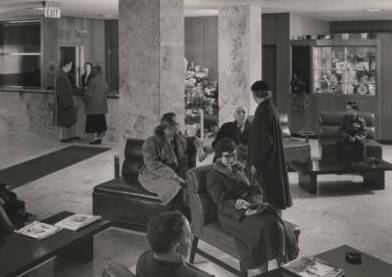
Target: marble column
{"type": "Point", "coordinates": [239, 59]}
{"type": "Point", "coordinates": [151, 48]}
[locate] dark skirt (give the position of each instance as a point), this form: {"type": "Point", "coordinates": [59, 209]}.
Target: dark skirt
{"type": "Point", "coordinates": [95, 123]}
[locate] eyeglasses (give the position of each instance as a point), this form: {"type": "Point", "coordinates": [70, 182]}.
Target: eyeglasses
{"type": "Point", "coordinates": [231, 155]}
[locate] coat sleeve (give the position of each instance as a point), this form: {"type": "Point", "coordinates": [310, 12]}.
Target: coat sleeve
{"type": "Point", "coordinates": [64, 98]}
{"type": "Point", "coordinates": [262, 142]}
{"type": "Point", "coordinates": [224, 203]}
{"type": "Point", "coordinates": [152, 161]}
{"type": "Point", "coordinates": [363, 131]}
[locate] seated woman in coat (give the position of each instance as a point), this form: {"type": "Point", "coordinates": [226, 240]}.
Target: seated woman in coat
{"type": "Point", "coordinates": [260, 234]}
{"type": "Point", "coordinates": [165, 163]}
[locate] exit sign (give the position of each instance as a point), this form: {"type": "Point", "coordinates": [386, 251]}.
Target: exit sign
{"type": "Point", "coordinates": [52, 12]}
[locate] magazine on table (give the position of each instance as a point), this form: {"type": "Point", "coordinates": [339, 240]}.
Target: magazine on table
{"type": "Point", "coordinates": [77, 221]}
{"type": "Point", "coordinates": [308, 266]}
{"type": "Point", "coordinates": [38, 230]}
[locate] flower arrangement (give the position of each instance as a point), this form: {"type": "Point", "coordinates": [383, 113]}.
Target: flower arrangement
{"type": "Point", "coordinates": [201, 98]}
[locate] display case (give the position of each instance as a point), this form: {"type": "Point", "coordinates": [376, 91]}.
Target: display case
{"type": "Point", "coordinates": [347, 67]}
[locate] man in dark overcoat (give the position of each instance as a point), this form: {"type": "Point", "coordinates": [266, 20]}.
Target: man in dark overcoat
{"type": "Point", "coordinates": [66, 113]}
{"type": "Point", "coordinates": [265, 149]}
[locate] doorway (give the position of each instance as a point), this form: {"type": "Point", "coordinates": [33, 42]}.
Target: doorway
{"type": "Point", "coordinates": [76, 55]}
{"type": "Point", "coordinates": [269, 66]}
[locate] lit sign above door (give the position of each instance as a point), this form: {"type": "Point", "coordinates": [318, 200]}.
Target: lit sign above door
{"type": "Point", "coordinates": [52, 12]}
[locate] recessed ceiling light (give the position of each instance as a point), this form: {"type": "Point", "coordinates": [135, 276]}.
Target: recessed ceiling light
{"type": "Point", "coordinates": [374, 10]}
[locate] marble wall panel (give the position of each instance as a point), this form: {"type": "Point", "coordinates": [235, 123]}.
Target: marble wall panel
{"type": "Point", "coordinates": [139, 35]}
{"type": "Point", "coordinates": [172, 73]}
{"type": "Point", "coordinates": [239, 59]}
{"type": "Point", "coordinates": [28, 113]}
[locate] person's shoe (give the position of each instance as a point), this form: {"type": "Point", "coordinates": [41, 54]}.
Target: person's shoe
{"type": "Point", "coordinates": [66, 140]}
{"type": "Point", "coordinates": [97, 141]}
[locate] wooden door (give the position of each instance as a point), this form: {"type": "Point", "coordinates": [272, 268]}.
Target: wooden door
{"type": "Point", "coordinates": [269, 68]}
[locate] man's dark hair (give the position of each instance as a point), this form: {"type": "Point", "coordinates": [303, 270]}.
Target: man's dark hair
{"type": "Point", "coordinates": [64, 63]}
{"type": "Point", "coordinates": [167, 117]}
{"type": "Point", "coordinates": [260, 89]}
{"type": "Point", "coordinates": [164, 230]}
{"type": "Point", "coordinates": [353, 105]}
{"type": "Point", "coordinates": [224, 145]}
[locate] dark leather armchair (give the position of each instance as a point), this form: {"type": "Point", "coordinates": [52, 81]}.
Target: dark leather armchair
{"type": "Point", "coordinates": [295, 149]}
{"type": "Point", "coordinates": [205, 225]}
{"type": "Point", "coordinates": [329, 131]}
{"type": "Point", "coordinates": [123, 200]}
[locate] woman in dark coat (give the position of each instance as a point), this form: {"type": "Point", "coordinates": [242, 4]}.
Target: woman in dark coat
{"type": "Point", "coordinates": [259, 232]}
{"type": "Point", "coordinates": [96, 106]}
{"type": "Point", "coordinates": [66, 113]}
{"type": "Point", "coordinates": [265, 148]}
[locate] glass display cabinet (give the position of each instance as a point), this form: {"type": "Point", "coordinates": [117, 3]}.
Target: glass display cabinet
{"type": "Point", "coordinates": [344, 69]}
{"type": "Point", "coordinates": [340, 67]}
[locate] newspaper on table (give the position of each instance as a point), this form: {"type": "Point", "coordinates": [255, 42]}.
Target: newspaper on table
{"type": "Point", "coordinates": [38, 230]}
{"type": "Point", "coordinates": [77, 221]}
{"type": "Point", "coordinates": [308, 266]}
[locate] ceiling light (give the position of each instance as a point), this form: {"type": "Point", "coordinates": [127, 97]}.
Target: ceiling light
{"type": "Point", "coordinates": [373, 10]}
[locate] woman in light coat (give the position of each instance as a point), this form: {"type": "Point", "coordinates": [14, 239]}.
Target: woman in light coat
{"type": "Point", "coordinates": [96, 106]}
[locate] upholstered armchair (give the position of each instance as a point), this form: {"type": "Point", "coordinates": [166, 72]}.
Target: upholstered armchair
{"type": "Point", "coordinates": [204, 222]}
{"type": "Point", "coordinates": [123, 200]}
{"type": "Point", "coordinates": [295, 149]}
{"type": "Point", "coordinates": [329, 131]}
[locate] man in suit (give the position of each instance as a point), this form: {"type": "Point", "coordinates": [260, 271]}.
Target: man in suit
{"type": "Point", "coordinates": [352, 133]}
{"type": "Point", "coordinates": [238, 131]}
{"type": "Point", "coordinates": [170, 238]}
{"type": "Point", "coordinates": [266, 155]}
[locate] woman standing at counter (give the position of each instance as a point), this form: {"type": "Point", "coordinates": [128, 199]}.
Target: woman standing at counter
{"type": "Point", "coordinates": [96, 106]}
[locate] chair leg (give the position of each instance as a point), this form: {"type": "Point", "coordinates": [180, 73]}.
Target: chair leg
{"type": "Point", "coordinates": [195, 241]}
{"type": "Point", "coordinates": [243, 271]}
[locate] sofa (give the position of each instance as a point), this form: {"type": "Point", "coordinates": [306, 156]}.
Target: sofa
{"type": "Point", "coordinates": [329, 131]}
{"type": "Point", "coordinates": [128, 205]}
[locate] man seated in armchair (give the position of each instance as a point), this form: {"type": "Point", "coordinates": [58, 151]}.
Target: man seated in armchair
{"type": "Point", "coordinates": [237, 130]}
{"type": "Point", "coordinates": [352, 133]}
{"type": "Point", "coordinates": [169, 235]}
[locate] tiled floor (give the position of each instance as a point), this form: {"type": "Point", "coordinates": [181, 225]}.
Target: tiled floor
{"type": "Point", "coordinates": [343, 213]}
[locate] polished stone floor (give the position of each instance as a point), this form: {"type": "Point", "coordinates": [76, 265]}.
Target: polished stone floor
{"type": "Point", "coordinates": [344, 212]}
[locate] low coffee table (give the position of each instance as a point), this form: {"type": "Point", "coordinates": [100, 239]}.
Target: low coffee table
{"type": "Point", "coordinates": [371, 170]}
{"type": "Point", "coordinates": [370, 266]}
{"type": "Point", "coordinates": [20, 253]}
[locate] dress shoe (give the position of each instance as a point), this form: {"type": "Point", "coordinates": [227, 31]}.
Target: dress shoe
{"type": "Point", "coordinates": [97, 141]}
{"type": "Point", "coordinates": [66, 140]}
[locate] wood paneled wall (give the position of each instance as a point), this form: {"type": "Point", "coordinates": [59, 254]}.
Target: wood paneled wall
{"type": "Point", "coordinates": [62, 32]}
{"type": "Point", "coordinates": [201, 43]}
{"type": "Point", "coordinates": [301, 25]}
{"type": "Point", "coordinates": [111, 53]}
{"type": "Point", "coordinates": [276, 32]}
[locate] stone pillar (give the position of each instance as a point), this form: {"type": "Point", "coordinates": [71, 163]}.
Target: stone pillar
{"type": "Point", "coordinates": [151, 49]}
{"type": "Point", "coordinates": [239, 59]}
